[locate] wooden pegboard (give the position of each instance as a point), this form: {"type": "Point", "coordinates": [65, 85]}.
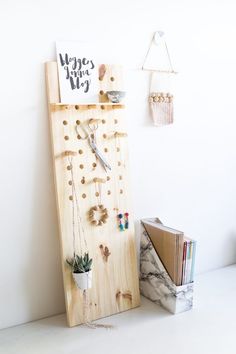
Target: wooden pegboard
{"type": "Point", "coordinates": [115, 278]}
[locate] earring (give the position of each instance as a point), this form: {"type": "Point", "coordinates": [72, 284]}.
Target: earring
{"type": "Point", "coordinates": [121, 226]}
{"type": "Point", "coordinates": [126, 220]}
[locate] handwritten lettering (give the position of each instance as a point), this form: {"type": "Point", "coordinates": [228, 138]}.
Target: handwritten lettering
{"type": "Point", "coordinates": [77, 71]}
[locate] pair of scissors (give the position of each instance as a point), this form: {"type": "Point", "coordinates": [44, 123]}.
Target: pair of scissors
{"type": "Point", "coordinates": [92, 144]}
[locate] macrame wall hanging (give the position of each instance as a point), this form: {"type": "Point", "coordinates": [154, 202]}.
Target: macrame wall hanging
{"type": "Point", "coordinates": [158, 62]}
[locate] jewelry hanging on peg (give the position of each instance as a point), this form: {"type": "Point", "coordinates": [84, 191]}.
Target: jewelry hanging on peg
{"type": "Point", "coordinates": [126, 220]}
{"type": "Point", "coordinates": [123, 218]}
{"type": "Point", "coordinates": [117, 136]}
{"type": "Point", "coordinates": [98, 214]}
{"type": "Point", "coordinates": [86, 136]}
{"type": "Point", "coordinates": [121, 226]}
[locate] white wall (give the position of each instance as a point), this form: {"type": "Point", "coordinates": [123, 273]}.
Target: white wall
{"type": "Point", "coordinates": [184, 173]}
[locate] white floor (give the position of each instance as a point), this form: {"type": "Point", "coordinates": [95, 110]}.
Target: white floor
{"type": "Point", "coordinates": [209, 328]}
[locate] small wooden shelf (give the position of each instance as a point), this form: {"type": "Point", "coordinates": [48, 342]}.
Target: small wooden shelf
{"type": "Point", "coordinates": [84, 106]}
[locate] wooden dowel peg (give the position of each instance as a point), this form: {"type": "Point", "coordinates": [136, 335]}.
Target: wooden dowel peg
{"type": "Point", "coordinates": [99, 180]}
{"type": "Point", "coordinates": [94, 121]}
{"type": "Point", "coordinates": [120, 134]}
{"type": "Point", "coordinates": [67, 153]}
{"type": "Point", "coordinates": [113, 135]}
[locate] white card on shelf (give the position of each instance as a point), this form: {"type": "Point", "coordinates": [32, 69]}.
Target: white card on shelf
{"type": "Point", "coordinates": [78, 72]}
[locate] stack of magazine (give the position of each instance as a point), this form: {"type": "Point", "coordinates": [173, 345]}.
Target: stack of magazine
{"type": "Point", "coordinates": [175, 250]}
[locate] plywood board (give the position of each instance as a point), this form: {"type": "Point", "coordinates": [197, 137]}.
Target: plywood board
{"type": "Point", "coordinates": [115, 278]}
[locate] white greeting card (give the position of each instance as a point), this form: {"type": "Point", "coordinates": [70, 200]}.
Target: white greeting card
{"type": "Point", "coordinates": [78, 73]}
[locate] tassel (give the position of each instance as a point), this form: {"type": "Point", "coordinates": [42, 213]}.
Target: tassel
{"type": "Point", "coordinates": [121, 226]}
{"type": "Point", "coordinates": [126, 220]}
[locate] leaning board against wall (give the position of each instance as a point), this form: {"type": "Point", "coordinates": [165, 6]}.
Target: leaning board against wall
{"type": "Point", "coordinates": [94, 209]}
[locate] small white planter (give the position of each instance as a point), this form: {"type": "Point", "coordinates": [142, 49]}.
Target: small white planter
{"type": "Point", "coordinates": [83, 280]}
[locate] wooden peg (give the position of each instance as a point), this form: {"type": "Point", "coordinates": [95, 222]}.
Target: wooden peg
{"type": "Point", "coordinates": [69, 153]}
{"type": "Point", "coordinates": [120, 134]}
{"type": "Point", "coordinates": [94, 121]}
{"type": "Point", "coordinates": [99, 180]}
{"type": "Point", "coordinates": [66, 154]}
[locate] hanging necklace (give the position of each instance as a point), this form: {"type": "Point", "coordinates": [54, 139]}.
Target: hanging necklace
{"type": "Point", "coordinates": [122, 217]}
{"type": "Point", "coordinates": [98, 214]}
{"type": "Point", "coordinates": [75, 207]}
{"type": "Point", "coordinates": [117, 136]}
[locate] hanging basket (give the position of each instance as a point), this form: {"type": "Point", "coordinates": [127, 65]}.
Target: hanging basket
{"type": "Point", "coordinates": [83, 280]}
{"type": "Point", "coordinates": [161, 106]}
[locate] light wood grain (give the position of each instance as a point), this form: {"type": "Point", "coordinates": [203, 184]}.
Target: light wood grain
{"type": "Point", "coordinates": [112, 81]}
{"type": "Point", "coordinates": [100, 105]}
{"type": "Point", "coordinates": [115, 277]}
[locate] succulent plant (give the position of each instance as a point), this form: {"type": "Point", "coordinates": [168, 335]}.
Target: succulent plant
{"type": "Point", "coordinates": [80, 264]}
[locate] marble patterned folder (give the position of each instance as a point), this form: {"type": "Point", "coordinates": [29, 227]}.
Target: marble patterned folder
{"type": "Point", "coordinates": [156, 284]}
